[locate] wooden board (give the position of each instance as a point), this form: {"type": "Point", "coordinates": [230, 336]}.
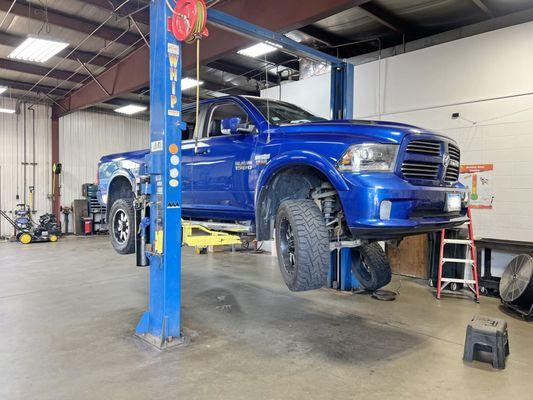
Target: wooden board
{"type": "Point", "coordinates": [413, 256]}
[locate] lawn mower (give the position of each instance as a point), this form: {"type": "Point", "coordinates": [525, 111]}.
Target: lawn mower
{"type": "Point", "coordinates": [27, 231]}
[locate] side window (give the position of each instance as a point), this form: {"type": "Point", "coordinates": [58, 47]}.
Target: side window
{"type": "Point", "coordinates": [189, 117]}
{"type": "Point", "coordinates": [220, 112]}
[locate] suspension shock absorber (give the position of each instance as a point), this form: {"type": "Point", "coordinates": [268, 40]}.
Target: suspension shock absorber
{"type": "Point", "coordinates": [325, 195]}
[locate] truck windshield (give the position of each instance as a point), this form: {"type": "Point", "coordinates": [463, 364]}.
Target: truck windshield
{"type": "Point", "coordinates": [280, 113]}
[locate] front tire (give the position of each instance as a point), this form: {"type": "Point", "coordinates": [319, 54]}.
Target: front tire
{"type": "Point", "coordinates": [302, 242]}
{"type": "Point", "coordinates": [371, 266]}
{"type": "Point", "coordinates": [122, 226]}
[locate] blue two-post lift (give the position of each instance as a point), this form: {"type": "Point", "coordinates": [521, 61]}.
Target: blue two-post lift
{"type": "Point", "coordinates": [160, 325]}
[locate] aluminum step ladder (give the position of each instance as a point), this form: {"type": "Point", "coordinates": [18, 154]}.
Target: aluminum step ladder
{"type": "Point", "coordinates": [472, 284]}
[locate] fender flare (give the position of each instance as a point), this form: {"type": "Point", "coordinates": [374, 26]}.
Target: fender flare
{"type": "Point", "coordinates": [300, 158]}
{"type": "Point", "coordinates": [120, 173]}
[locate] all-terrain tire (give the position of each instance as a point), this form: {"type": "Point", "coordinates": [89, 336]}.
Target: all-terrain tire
{"type": "Point", "coordinates": [371, 266]}
{"type": "Point", "coordinates": [120, 210]}
{"type": "Point", "coordinates": [307, 267]}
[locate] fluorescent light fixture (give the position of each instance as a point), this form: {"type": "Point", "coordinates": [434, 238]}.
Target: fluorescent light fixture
{"type": "Point", "coordinates": [7, 111]}
{"type": "Point", "coordinates": [2, 89]}
{"type": "Point", "coordinates": [188, 83]}
{"type": "Point", "coordinates": [259, 49]}
{"type": "Point", "coordinates": [131, 109]}
{"type": "Point", "coordinates": [37, 50]}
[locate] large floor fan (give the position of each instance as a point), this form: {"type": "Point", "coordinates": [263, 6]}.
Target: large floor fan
{"type": "Point", "coordinates": [516, 285]}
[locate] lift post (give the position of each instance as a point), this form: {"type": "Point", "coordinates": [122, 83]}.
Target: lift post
{"type": "Point", "coordinates": [160, 324]}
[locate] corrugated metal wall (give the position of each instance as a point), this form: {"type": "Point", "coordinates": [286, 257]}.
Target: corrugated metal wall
{"type": "Point", "coordinates": [13, 153]}
{"type": "Point", "coordinates": [84, 137]}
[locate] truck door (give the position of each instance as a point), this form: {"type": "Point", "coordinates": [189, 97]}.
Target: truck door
{"type": "Point", "coordinates": [187, 156]}
{"type": "Point", "coordinates": [223, 165]}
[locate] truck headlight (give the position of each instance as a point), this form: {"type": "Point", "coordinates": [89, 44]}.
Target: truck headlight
{"type": "Point", "coordinates": [369, 157]}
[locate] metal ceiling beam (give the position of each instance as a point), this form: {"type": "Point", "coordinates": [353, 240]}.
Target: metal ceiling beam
{"type": "Point", "coordinates": [24, 9]}
{"type": "Point", "coordinates": [217, 87]}
{"type": "Point", "coordinates": [237, 69]}
{"type": "Point", "coordinates": [328, 38]}
{"type": "Point", "coordinates": [33, 69]}
{"type": "Point", "coordinates": [386, 18]}
{"type": "Point", "coordinates": [136, 9]}
{"type": "Point", "coordinates": [483, 7]}
{"type": "Point", "coordinates": [18, 85]}
{"type": "Point", "coordinates": [132, 72]}
{"type": "Point", "coordinates": [8, 39]}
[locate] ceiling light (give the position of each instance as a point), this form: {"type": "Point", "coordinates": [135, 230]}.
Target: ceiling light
{"type": "Point", "coordinates": [37, 49]}
{"type": "Point", "coordinates": [2, 89]}
{"type": "Point", "coordinates": [7, 111]}
{"type": "Point", "coordinates": [131, 109]}
{"type": "Point", "coordinates": [188, 83]}
{"type": "Point", "coordinates": [259, 49]}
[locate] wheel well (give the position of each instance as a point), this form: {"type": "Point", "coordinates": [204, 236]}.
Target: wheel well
{"type": "Point", "coordinates": [119, 188]}
{"type": "Point", "coordinates": [294, 182]}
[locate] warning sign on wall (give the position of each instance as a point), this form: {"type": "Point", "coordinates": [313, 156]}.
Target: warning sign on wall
{"type": "Point", "coordinates": [478, 178]}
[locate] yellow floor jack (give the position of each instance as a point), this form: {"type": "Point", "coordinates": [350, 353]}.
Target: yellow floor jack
{"type": "Point", "coordinates": [202, 235]}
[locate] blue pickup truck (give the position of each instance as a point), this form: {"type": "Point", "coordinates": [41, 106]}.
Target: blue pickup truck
{"type": "Point", "coordinates": [303, 180]}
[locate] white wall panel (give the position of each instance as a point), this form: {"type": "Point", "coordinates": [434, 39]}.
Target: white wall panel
{"type": "Point", "coordinates": [12, 156]}
{"type": "Point", "coordinates": [313, 94]}
{"type": "Point", "coordinates": [84, 137]}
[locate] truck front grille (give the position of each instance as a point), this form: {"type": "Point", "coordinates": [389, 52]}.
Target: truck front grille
{"type": "Point", "coordinates": [427, 147]}
{"type": "Point", "coordinates": [420, 170]}
{"type": "Point", "coordinates": [428, 161]}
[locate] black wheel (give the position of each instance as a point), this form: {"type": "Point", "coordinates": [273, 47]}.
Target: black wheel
{"type": "Point", "coordinates": [302, 242]}
{"type": "Point", "coordinates": [122, 226]}
{"type": "Point", "coordinates": [371, 266]}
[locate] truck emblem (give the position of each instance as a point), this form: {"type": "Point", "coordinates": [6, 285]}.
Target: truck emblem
{"type": "Point", "coordinates": [446, 160]}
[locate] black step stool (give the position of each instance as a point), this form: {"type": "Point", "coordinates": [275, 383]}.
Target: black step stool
{"type": "Point", "coordinates": [490, 335]}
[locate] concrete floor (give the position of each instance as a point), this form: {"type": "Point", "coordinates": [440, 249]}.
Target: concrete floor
{"type": "Point", "coordinates": [68, 310]}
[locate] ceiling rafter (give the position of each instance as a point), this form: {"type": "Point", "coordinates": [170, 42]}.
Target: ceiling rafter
{"type": "Point", "coordinates": [18, 85]}
{"type": "Point", "coordinates": [138, 11]}
{"type": "Point", "coordinates": [30, 10]}
{"type": "Point", "coordinates": [38, 70]}
{"type": "Point", "coordinates": [386, 18]}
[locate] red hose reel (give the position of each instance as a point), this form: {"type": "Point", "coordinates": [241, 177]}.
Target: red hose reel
{"type": "Point", "coordinates": [188, 20]}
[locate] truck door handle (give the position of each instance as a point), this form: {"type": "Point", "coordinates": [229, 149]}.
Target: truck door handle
{"type": "Point", "coordinates": [203, 151]}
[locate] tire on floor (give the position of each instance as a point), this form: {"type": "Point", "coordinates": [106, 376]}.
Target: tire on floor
{"type": "Point", "coordinates": [302, 242]}
{"type": "Point", "coordinates": [371, 266]}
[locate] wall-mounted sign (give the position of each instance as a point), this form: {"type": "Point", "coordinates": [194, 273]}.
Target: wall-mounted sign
{"type": "Point", "coordinates": [478, 178]}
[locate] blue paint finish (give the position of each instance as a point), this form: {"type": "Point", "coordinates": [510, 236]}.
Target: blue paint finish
{"type": "Point", "coordinates": [224, 183]}
{"type": "Point", "coordinates": [162, 320]}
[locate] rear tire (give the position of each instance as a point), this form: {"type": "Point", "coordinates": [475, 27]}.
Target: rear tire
{"type": "Point", "coordinates": [122, 226]}
{"type": "Point", "coordinates": [373, 271]}
{"type": "Point", "coordinates": [302, 242]}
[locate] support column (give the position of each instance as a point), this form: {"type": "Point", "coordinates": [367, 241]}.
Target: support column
{"type": "Point", "coordinates": [342, 90]}
{"type": "Point", "coordinates": [56, 198]}
{"type": "Point", "coordinates": [161, 324]}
